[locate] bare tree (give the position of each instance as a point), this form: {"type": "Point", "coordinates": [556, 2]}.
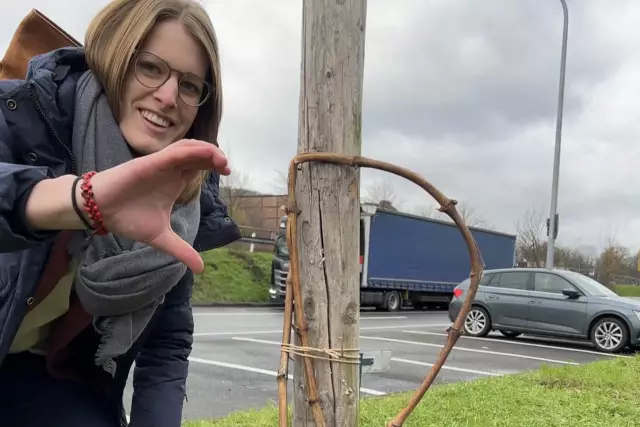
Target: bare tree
{"type": "Point", "coordinates": [232, 188]}
{"type": "Point", "coordinates": [531, 245]}
{"type": "Point", "coordinates": [382, 193]}
{"type": "Point", "coordinates": [281, 181]}
{"type": "Point", "coordinates": [578, 259]}
{"type": "Point", "coordinates": [612, 262]}
{"type": "Point", "coordinates": [429, 211]}
{"type": "Point", "coordinates": [468, 213]}
{"type": "Point", "coordinates": [471, 217]}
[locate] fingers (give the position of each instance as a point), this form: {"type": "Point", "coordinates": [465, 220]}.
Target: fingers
{"type": "Point", "coordinates": [173, 245]}
{"type": "Point", "coordinates": [221, 163]}
{"type": "Point", "coordinates": [195, 154]}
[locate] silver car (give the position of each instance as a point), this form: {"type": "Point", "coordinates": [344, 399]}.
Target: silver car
{"type": "Point", "coordinates": [554, 303]}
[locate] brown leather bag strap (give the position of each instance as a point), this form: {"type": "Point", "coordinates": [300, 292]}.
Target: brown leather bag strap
{"type": "Point", "coordinates": [36, 34]}
{"type": "Point", "coordinates": [69, 40]}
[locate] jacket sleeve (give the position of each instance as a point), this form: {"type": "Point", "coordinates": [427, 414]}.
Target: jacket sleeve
{"type": "Point", "coordinates": [217, 228]}
{"type": "Point", "coordinates": [16, 183]}
{"type": "Point", "coordinates": [161, 367]}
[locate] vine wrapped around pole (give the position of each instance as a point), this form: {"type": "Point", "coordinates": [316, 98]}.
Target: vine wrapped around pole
{"type": "Point", "coordinates": [293, 289]}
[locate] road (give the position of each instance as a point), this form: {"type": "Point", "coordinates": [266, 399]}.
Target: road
{"type": "Point", "coordinates": [237, 351]}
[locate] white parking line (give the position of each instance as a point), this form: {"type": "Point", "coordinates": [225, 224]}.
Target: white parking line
{"type": "Point", "coordinates": [393, 359]}
{"type": "Point", "coordinates": [264, 372]}
{"type": "Point", "coordinates": [382, 317]}
{"type": "Point", "coordinates": [424, 325]}
{"type": "Point", "coordinates": [472, 350]}
{"type": "Point", "coordinates": [279, 331]}
{"type": "Point", "coordinates": [240, 313]}
{"type": "Point", "coordinates": [529, 344]}
{"type": "Point", "coordinates": [237, 313]}
{"type": "Point", "coordinates": [450, 368]}
{"type": "Point", "coordinates": [221, 334]}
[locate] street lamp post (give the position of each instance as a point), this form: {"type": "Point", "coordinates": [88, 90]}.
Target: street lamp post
{"type": "Point", "coordinates": [556, 157]}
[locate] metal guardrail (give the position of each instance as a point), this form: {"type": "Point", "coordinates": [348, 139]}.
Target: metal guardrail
{"type": "Point", "coordinates": [257, 233]}
{"type": "Point", "coordinates": [258, 241]}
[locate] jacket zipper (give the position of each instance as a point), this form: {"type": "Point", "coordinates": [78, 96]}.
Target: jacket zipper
{"type": "Point", "coordinates": [43, 115]}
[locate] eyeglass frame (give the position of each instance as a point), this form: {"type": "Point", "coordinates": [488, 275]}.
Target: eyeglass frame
{"type": "Point", "coordinates": [172, 70]}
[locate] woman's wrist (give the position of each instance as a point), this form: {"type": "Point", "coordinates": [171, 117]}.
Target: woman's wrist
{"type": "Point", "coordinates": [50, 206]}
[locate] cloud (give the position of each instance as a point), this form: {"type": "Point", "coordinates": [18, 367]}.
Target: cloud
{"type": "Point", "coordinates": [461, 91]}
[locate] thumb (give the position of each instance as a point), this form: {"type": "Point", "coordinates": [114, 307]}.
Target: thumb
{"type": "Point", "coordinates": [172, 244]}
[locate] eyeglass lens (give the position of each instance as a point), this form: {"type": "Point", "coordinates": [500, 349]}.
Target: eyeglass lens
{"type": "Point", "coordinates": [153, 72]}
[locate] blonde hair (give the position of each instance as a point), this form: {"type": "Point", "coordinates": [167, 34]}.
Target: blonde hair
{"type": "Point", "coordinates": [118, 29]}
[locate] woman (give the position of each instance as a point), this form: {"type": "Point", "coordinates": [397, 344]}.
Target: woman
{"type": "Point", "coordinates": [104, 203]}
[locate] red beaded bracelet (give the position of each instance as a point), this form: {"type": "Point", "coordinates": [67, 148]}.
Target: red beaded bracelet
{"type": "Point", "coordinates": [91, 207]}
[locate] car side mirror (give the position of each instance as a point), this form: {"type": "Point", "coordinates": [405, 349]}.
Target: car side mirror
{"type": "Point", "coordinates": [571, 293]}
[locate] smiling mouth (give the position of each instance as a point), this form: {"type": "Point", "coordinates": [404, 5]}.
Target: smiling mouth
{"type": "Point", "coordinates": [154, 119]}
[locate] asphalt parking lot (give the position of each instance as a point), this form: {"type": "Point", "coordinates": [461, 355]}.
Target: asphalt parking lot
{"type": "Point", "coordinates": [237, 352]}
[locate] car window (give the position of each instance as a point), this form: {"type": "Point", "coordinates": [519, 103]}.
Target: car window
{"type": "Point", "coordinates": [590, 286]}
{"type": "Point", "coordinates": [546, 282]}
{"type": "Point", "coordinates": [512, 280]}
{"type": "Point", "coordinates": [486, 280]}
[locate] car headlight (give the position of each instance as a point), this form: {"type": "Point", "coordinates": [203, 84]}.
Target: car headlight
{"type": "Point", "coordinates": [637, 313]}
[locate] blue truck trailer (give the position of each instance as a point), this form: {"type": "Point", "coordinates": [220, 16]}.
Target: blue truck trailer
{"type": "Point", "coordinates": [407, 260]}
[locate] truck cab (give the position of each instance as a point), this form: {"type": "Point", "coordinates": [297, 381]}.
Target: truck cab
{"type": "Point", "coordinates": [390, 300]}
{"type": "Point", "coordinates": [279, 263]}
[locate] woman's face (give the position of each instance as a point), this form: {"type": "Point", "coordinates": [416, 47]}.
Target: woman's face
{"type": "Point", "coordinates": [153, 113]}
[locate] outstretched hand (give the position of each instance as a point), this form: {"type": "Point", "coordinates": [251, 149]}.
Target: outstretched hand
{"type": "Point", "coordinates": [136, 197]}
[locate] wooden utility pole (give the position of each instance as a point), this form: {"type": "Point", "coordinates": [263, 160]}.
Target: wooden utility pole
{"type": "Point", "coordinates": [330, 120]}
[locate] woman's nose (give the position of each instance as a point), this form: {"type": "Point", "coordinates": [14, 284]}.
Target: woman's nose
{"type": "Point", "coordinates": [168, 92]}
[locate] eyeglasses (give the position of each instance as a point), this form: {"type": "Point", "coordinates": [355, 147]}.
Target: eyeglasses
{"type": "Point", "coordinates": [153, 71]}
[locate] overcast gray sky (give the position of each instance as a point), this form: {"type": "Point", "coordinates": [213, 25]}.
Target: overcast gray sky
{"type": "Point", "coordinates": [461, 91]}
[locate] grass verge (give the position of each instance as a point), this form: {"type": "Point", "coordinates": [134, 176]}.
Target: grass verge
{"type": "Point", "coordinates": [627, 290]}
{"type": "Point", "coordinates": [233, 276]}
{"type": "Point", "coordinates": [604, 393]}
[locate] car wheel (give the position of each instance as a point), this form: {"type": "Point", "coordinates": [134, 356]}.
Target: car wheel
{"type": "Point", "coordinates": [477, 322]}
{"type": "Point", "coordinates": [510, 334]}
{"type": "Point", "coordinates": [609, 335]}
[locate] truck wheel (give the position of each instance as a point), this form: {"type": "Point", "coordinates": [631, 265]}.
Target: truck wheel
{"type": "Point", "coordinates": [392, 301]}
{"type": "Point", "coordinates": [477, 323]}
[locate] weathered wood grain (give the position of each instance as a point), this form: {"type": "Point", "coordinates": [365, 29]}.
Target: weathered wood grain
{"type": "Point", "coordinates": [330, 120]}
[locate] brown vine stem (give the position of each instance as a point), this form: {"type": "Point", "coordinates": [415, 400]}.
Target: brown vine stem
{"type": "Point", "coordinates": [283, 372]}
{"type": "Point", "coordinates": [293, 291]}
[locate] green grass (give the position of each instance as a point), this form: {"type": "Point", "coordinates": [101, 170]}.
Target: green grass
{"type": "Point", "coordinates": [233, 276]}
{"type": "Point", "coordinates": [603, 394]}
{"type": "Point", "coordinates": [627, 290]}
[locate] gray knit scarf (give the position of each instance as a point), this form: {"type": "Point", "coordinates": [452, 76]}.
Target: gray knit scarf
{"type": "Point", "coordinates": [119, 282]}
